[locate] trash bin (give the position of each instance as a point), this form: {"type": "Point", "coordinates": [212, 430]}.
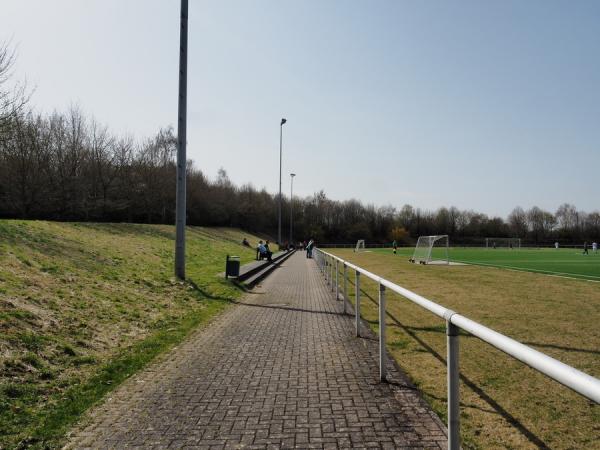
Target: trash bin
{"type": "Point", "coordinates": [232, 266]}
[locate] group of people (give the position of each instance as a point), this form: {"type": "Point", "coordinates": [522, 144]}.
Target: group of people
{"type": "Point", "coordinates": [585, 247]}
{"type": "Point", "coordinates": [262, 249]}
{"type": "Point", "coordinates": [594, 247]}
{"type": "Point", "coordinates": [264, 252]}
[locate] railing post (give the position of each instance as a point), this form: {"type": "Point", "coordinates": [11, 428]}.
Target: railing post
{"type": "Point", "coordinates": [345, 286]}
{"type": "Point", "coordinates": [337, 286]}
{"type": "Point", "coordinates": [382, 370]}
{"type": "Point", "coordinates": [357, 303]}
{"type": "Point", "coordinates": [452, 333]}
{"type": "Point", "coordinates": [331, 273]}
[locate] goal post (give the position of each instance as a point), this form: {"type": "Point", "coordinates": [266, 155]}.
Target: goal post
{"type": "Point", "coordinates": [431, 250]}
{"type": "Point", "coordinates": [360, 246]}
{"type": "Point", "coordinates": [503, 243]}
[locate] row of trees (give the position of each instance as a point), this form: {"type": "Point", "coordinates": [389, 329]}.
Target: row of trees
{"type": "Point", "coordinates": [65, 166]}
{"type": "Point", "coordinates": [535, 225]}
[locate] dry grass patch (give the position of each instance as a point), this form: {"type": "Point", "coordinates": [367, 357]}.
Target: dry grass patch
{"type": "Point", "coordinates": [504, 404]}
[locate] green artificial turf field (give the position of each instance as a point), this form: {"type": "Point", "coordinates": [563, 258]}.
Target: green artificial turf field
{"type": "Point", "coordinates": [563, 262]}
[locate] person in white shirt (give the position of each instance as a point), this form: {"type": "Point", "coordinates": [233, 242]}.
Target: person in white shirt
{"type": "Point", "coordinates": [594, 247]}
{"type": "Point", "coordinates": [556, 245]}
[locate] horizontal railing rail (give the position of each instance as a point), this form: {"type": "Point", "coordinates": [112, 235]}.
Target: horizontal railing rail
{"type": "Point", "coordinates": [458, 243]}
{"type": "Point", "coordinates": [568, 376]}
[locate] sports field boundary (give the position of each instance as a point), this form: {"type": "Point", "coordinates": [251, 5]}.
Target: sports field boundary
{"type": "Point", "coordinates": [567, 265]}
{"type": "Point", "coordinates": [580, 382]}
{"type": "Point", "coordinates": [570, 276]}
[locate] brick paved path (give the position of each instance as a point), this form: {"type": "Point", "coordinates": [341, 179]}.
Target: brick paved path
{"type": "Point", "coordinates": [282, 370]}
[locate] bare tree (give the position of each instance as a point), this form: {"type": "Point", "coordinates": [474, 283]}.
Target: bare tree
{"type": "Point", "coordinates": [155, 169]}
{"type": "Point", "coordinates": [567, 216]}
{"type": "Point", "coordinates": [517, 221]}
{"type": "Point", "coordinates": [12, 101]}
{"type": "Point", "coordinates": [102, 165]}
{"type": "Point", "coordinates": [593, 225]}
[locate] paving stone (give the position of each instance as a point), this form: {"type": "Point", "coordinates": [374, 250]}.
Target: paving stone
{"type": "Point", "coordinates": [280, 370]}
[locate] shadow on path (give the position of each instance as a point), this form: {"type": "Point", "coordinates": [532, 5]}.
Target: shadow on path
{"type": "Point", "coordinates": [560, 347]}
{"type": "Point", "coordinates": [255, 305]}
{"type": "Point", "coordinates": [411, 331]}
{"type": "Point", "coordinates": [539, 443]}
{"type": "Point", "coordinates": [442, 329]}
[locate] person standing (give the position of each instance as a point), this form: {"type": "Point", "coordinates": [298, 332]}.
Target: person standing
{"type": "Point", "coordinates": [260, 250]}
{"type": "Point", "coordinates": [395, 246]}
{"type": "Point", "coordinates": [309, 248]}
{"type": "Point", "coordinates": [594, 247]}
{"type": "Point", "coordinates": [585, 248]}
{"type": "Point", "coordinates": [268, 251]}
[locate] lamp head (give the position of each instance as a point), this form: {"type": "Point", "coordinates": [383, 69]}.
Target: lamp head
{"type": "Point", "coordinates": [283, 121]}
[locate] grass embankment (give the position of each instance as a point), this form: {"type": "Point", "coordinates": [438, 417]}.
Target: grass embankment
{"type": "Point", "coordinates": [504, 404]}
{"type": "Point", "coordinates": [84, 306]}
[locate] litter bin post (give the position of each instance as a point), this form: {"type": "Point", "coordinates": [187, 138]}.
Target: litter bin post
{"type": "Point", "coordinates": [232, 266]}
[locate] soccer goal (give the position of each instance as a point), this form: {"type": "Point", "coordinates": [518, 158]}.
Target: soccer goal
{"type": "Point", "coordinates": [360, 246]}
{"type": "Point", "coordinates": [503, 243]}
{"type": "Point", "coordinates": [431, 250]}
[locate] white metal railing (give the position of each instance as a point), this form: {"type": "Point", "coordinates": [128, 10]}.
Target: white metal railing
{"type": "Point", "coordinates": [570, 377]}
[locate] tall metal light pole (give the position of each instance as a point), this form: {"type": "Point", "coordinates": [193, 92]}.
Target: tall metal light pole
{"type": "Point", "coordinates": [180, 209]}
{"type": "Point", "coordinates": [280, 152]}
{"type": "Point", "coordinates": [292, 175]}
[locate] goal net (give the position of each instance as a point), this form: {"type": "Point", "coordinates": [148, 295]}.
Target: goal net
{"type": "Point", "coordinates": [502, 243]}
{"type": "Point", "coordinates": [431, 250]}
{"type": "Point", "coordinates": [360, 246]}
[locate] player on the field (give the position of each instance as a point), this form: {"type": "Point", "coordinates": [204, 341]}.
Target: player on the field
{"type": "Point", "coordinates": [556, 245]}
{"type": "Point", "coordinates": [395, 246]}
{"type": "Point", "coordinates": [585, 249]}
{"type": "Point", "coordinates": [594, 247]}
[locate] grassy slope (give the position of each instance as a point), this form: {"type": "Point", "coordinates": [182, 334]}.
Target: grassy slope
{"type": "Point", "coordinates": [503, 403]}
{"type": "Point", "coordinates": [566, 262]}
{"type": "Point", "coordinates": [82, 306]}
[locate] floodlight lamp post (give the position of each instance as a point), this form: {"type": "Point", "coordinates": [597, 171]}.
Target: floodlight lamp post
{"type": "Point", "coordinates": [180, 207]}
{"type": "Point", "coordinates": [292, 175]}
{"type": "Point", "coordinates": [283, 121]}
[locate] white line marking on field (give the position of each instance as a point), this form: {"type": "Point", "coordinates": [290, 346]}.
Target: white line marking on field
{"type": "Point", "coordinates": [570, 276]}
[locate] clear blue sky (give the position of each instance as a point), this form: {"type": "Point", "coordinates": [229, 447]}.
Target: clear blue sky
{"type": "Point", "coordinates": [477, 104]}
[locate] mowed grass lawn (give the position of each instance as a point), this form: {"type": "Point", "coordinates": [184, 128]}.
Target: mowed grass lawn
{"type": "Point", "coordinates": [504, 404]}
{"type": "Point", "coordinates": [567, 262]}
{"type": "Point", "coordinates": [84, 306]}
